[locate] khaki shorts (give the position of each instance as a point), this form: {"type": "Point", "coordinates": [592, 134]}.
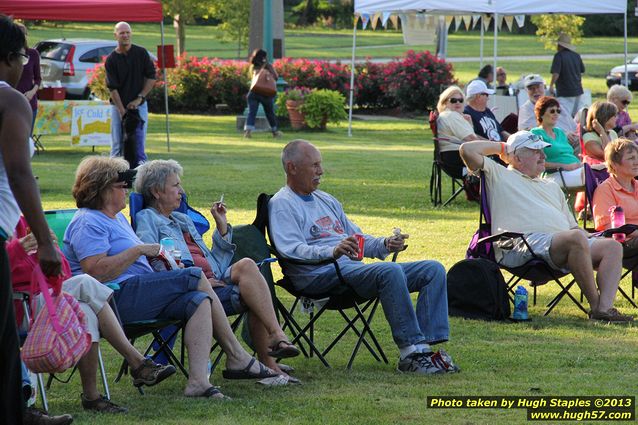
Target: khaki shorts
{"type": "Point", "coordinates": [92, 296]}
{"type": "Point", "coordinates": [515, 253]}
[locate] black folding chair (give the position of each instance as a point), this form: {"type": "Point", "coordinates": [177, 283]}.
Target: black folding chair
{"type": "Point", "coordinates": [439, 167]}
{"type": "Point", "coordinates": [357, 312]}
{"type": "Point", "coordinates": [536, 270]}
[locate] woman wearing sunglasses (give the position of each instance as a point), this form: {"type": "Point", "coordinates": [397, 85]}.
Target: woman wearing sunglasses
{"type": "Point", "coordinates": [561, 164]}
{"type": "Point", "coordinates": [453, 127]}
{"type": "Point", "coordinates": [621, 97]}
{"type": "Point", "coordinates": [601, 120]}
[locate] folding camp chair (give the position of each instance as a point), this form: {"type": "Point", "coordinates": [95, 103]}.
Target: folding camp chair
{"type": "Point", "coordinates": [356, 311]}
{"type": "Point", "coordinates": [536, 270]}
{"type": "Point", "coordinates": [438, 166]}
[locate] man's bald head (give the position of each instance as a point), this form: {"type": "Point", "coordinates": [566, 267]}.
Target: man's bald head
{"type": "Point", "coordinates": [294, 152]}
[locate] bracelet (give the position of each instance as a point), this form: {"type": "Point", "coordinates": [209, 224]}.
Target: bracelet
{"type": "Point", "coordinates": [502, 148]}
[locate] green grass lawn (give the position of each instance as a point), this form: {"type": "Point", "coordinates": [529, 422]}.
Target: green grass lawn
{"type": "Point", "coordinates": [381, 176]}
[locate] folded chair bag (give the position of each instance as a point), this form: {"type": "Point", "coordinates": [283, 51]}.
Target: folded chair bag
{"type": "Point", "coordinates": [58, 338]}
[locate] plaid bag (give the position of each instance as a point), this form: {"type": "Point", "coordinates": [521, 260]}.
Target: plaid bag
{"type": "Point", "coordinates": [58, 338]}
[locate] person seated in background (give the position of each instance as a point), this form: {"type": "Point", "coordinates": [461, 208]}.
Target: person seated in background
{"type": "Point", "coordinates": [99, 241]}
{"type": "Point", "coordinates": [483, 120]}
{"type": "Point", "coordinates": [309, 224]}
{"type": "Point", "coordinates": [562, 166]}
{"type": "Point", "coordinates": [453, 127]}
{"type": "Point", "coordinates": [520, 201]}
{"type": "Point", "coordinates": [621, 188]}
{"type": "Point", "coordinates": [100, 319]}
{"type": "Point", "coordinates": [486, 75]}
{"type": "Point", "coordinates": [535, 87]}
{"type": "Point", "coordinates": [240, 287]}
{"type": "Point", "coordinates": [601, 120]}
{"type": "Point", "coordinates": [621, 97]}
{"type": "Point", "coordinates": [502, 87]}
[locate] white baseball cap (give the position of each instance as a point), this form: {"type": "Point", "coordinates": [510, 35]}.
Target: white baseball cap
{"type": "Point", "coordinates": [532, 79]}
{"type": "Point", "coordinates": [478, 87]}
{"type": "Point", "coordinates": [525, 139]}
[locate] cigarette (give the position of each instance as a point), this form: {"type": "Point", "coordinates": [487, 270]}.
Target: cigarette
{"type": "Point", "coordinates": [221, 200]}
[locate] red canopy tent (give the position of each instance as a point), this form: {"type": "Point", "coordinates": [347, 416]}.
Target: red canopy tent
{"type": "Point", "coordinates": [91, 11]}
{"type": "Point", "coordinates": [84, 10]}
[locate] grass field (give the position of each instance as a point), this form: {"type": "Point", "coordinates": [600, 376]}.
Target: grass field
{"type": "Point", "coordinates": [380, 175]}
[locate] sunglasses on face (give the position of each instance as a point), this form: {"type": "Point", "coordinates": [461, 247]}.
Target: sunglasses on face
{"type": "Point", "coordinates": [554, 111]}
{"type": "Point", "coordinates": [501, 75]}
{"type": "Point", "coordinates": [456, 100]}
{"type": "Point", "coordinates": [23, 57]}
{"type": "Point", "coordinates": [625, 102]}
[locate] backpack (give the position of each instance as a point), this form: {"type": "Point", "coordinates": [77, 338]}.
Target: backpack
{"type": "Point", "coordinates": [476, 290]}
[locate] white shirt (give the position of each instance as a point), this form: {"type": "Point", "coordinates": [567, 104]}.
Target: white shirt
{"type": "Point", "coordinates": [9, 210]}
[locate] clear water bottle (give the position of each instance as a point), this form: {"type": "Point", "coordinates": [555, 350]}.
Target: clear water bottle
{"type": "Point", "coordinates": [520, 304]}
{"type": "Point", "coordinates": [617, 218]}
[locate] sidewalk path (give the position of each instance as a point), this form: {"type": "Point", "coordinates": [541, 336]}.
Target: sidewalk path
{"type": "Point", "coordinates": [489, 58]}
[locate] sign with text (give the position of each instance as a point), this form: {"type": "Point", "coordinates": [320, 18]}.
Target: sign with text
{"type": "Point", "coordinates": [91, 125]}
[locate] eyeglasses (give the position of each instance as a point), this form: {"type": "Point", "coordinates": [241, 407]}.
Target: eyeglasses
{"type": "Point", "coordinates": [625, 102]}
{"type": "Point", "coordinates": [554, 111]}
{"type": "Point", "coordinates": [501, 74]}
{"type": "Point", "coordinates": [456, 100]}
{"type": "Point", "coordinates": [24, 57]}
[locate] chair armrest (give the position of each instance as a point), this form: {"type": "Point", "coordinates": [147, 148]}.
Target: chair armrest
{"type": "Point", "coordinates": [499, 236]}
{"type": "Point", "coordinates": [626, 229]}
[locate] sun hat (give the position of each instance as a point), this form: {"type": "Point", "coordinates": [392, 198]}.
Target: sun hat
{"type": "Point", "coordinates": [565, 41]}
{"type": "Point", "coordinates": [478, 87]}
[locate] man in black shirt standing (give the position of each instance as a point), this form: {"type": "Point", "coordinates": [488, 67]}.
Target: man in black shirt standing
{"type": "Point", "coordinates": [130, 76]}
{"type": "Point", "coordinates": [567, 68]}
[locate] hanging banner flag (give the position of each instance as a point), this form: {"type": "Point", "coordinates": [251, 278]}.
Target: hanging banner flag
{"type": "Point", "coordinates": [500, 22]}
{"type": "Point", "coordinates": [486, 19]}
{"type": "Point", "coordinates": [384, 19]}
{"type": "Point", "coordinates": [375, 20]}
{"type": "Point", "coordinates": [395, 21]}
{"type": "Point", "coordinates": [467, 21]}
{"type": "Point", "coordinates": [520, 20]}
{"type": "Point", "coordinates": [457, 22]}
{"type": "Point", "coordinates": [509, 22]}
{"type": "Point", "coordinates": [365, 18]}
{"type": "Point", "coordinates": [475, 20]}
{"type": "Point", "coordinates": [448, 21]}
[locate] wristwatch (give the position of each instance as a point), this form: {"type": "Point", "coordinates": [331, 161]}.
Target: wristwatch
{"type": "Point", "coordinates": [141, 96]}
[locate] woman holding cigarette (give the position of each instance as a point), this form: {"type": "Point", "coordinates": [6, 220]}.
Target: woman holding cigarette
{"type": "Point", "coordinates": [240, 286]}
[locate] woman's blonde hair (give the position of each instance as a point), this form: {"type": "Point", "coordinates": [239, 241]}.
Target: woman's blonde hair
{"type": "Point", "coordinates": [619, 92]}
{"type": "Point", "coordinates": [92, 179]}
{"type": "Point", "coordinates": [446, 95]}
{"type": "Point", "coordinates": [615, 150]}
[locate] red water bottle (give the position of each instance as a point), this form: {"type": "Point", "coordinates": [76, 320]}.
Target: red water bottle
{"type": "Point", "coordinates": [617, 217]}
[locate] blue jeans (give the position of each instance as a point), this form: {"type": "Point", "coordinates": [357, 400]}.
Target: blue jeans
{"type": "Point", "coordinates": [393, 283]}
{"type": "Point", "coordinates": [268, 103]}
{"type": "Point", "coordinates": [116, 133]}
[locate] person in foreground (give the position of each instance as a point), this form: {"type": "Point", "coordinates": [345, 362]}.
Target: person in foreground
{"type": "Point", "coordinates": [18, 191]}
{"type": "Point", "coordinates": [621, 188]}
{"type": "Point", "coordinates": [100, 319]}
{"type": "Point", "coordinates": [240, 286]}
{"type": "Point", "coordinates": [517, 195]}
{"type": "Point", "coordinates": [309, 224]}
{"type": "Point", "coordinates": [99, 241]}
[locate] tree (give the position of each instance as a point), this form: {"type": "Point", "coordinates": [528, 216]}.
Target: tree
{"type": "Point", "coordinates": [234, 15]}
{"type": "Point", "coordinates": [550, 26]}
{"type": "Point", "coordinates": [183, 12]}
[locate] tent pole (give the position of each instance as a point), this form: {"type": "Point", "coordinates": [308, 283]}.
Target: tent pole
{"type": "Point", "coordinates": [495, 43]}
{"type": "Point", "coordinates": [354, 47]}
{"type": "Point", "coordinates": [482, 36]}
{"type": "Point", "coordinates": [168, 126]}
{"type": "Point", "coordinates": [625, 33]}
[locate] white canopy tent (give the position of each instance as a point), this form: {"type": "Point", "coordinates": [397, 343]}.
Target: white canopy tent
{"type": "Point", "coordinates": [382, 9]}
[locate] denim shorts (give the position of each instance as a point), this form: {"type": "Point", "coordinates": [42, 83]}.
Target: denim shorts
{"type": "Point", "coordinates": [162, 295]}
{"type": "Point", "coordinates": [229, 296]}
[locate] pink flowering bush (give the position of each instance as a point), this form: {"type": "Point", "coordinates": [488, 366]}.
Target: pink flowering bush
{"type": "Point", "coordinates": [416, 80]}
{"type": "Point", "coordinates": [196, 85]}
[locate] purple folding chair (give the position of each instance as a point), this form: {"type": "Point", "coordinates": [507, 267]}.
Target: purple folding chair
{"type": "Point", "coordinates": [536, 270]}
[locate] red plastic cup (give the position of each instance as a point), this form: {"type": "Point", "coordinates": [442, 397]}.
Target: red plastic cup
{"type": "Point", "coordinates": [360, 240]}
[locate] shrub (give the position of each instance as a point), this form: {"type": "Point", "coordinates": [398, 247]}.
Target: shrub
{"type": "Point", "coordinates": [322, 106]}
{"type": "Point", "coordinates": [295, 93]}
{"type": "Point", "coordinates": [416, 81]}
{"type": "Point", "coordinates": [370, 87]}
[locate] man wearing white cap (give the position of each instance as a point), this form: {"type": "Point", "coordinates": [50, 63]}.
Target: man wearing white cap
{"type": "Point", "coordinates": [567, 68]}
{"type": "Point", "coordinates": [535, 86]}
{"type": "Point", "coordinates": [520, 201]}
{"type": "Point", "coordinates": [485, 123]}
